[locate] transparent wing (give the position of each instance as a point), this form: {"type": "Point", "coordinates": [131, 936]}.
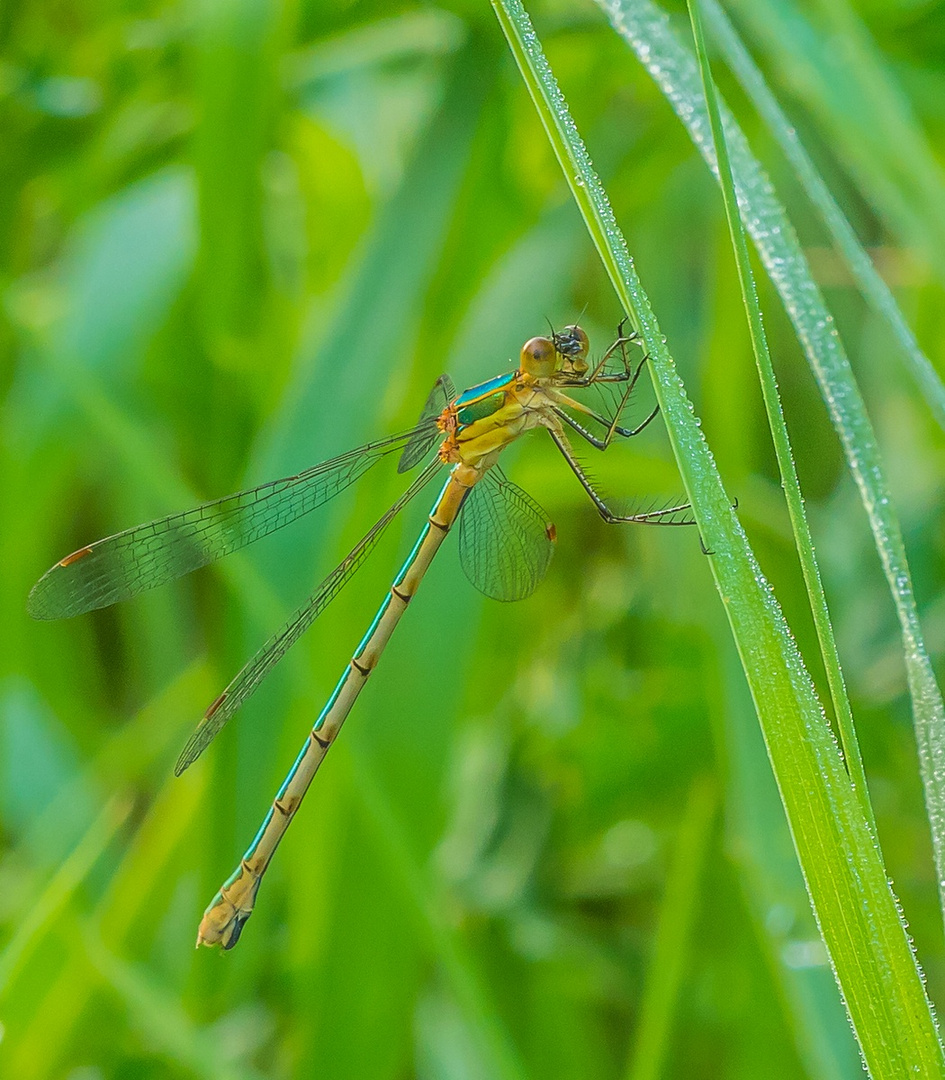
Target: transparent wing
{"type": "Point", "coordinates": [253, 673]}
{"type": "Point", "coordinates": [149, 555]}
{"type": "Point", "coordinates": [505, 538]}
{"type": "Point", "coordinates": [426, 434]}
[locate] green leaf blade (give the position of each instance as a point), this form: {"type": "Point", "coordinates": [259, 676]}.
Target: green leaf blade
{"type": "Point", "coordinates": [847, 882]}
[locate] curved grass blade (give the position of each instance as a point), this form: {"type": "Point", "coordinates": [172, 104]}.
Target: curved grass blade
{"type": "Point", "coordinates": [667, 970]}
{"type": "Point", "coordinates": [422, 442]}
{"type": "Point", "coordinates": [803, 540]}
{"type": "Point", "coordinates": [506, 540]}
{"type": "Point", "coordinates": [253, 673]}
{"type": "Point", "coordinates": [846, 880]}
{"type": "Point", "coordinates": [673, 67]}
{"type": "Point", "coordinates": [141, 558]}
{"type": "Point", "coordinates": [871, 285]}
{"type": "Point", "coordinates": [866, 119]}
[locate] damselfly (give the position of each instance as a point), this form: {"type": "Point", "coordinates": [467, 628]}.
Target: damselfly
{"type": "Point", "coordinates": [505, 545]}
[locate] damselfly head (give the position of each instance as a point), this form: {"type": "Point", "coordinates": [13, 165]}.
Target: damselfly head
{"type": "Point", "coordinates": [565, 351]}
{"type": "Point", "coordinates": [572, 344]}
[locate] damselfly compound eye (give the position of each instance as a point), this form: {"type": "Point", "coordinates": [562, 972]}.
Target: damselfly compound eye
{"type": "Point", "coordinates": [539, 357]}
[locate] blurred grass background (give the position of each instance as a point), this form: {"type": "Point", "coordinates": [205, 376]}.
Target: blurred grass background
{"type": "Point", "coordinates": [239, 237]}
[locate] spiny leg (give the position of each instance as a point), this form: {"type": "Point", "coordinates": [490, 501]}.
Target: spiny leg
{"type": "Point", "coordinates": [618, 412]}
{"type": "Point", "coordinates": [620, 343]}
{"type": "Point", "coordinates": [613, 428]}
{"type": "Point", "coordinates": [649, 517]}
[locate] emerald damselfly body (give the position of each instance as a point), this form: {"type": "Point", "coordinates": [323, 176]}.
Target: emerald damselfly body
{"type": "Point", "coordinates": [506, 542]}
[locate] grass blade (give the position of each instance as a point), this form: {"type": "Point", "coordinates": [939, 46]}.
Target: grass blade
{"type": "Point", "coordinates": [871, 285]}
{"type": "Point", "coordinates": [782, 445]}
{"type": "Point", "coordinates": [57, 894]}
{"type": "Point", "coordinates": [673, 67]}
{"type": "Point", "coordinates": [846, 880]}
{"type": "Point", "coordinates": [863, 113]}
{"type": "Point", "coordinates": [680, 906]}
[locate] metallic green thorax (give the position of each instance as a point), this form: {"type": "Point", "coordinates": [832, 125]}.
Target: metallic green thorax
{"type": "Point", "coordinates": [479, 410]}
{"type": "Point", "coordinates": [483, 400]}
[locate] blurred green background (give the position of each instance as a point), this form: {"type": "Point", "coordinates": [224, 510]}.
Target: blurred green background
{"type": "Point", "coordinates": [238, 237]}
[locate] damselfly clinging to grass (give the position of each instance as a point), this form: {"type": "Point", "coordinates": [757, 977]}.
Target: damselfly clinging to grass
{"type": "Point", "coordinates": [505, 545]}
